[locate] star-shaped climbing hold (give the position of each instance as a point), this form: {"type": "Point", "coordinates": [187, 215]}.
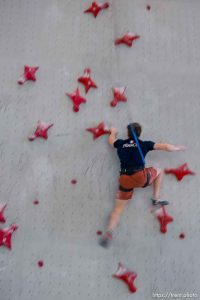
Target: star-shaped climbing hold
{"type": "Point", "coordinates": [127, 39]}
{"type": "Point", "coordinates": [76, 99]}
{"type": "Point", "coordinates": [119, 96]}
{"type": "Point", "coordinates": [41, 131]}
{"type": "Point", "coordinates": [96, 7]}
{"type": "Point", "coordinates": [98, 130]}
{"type": "Point", "coordinates": [6, 236]}
{"type": "Point", "coordinates": [127, 276]}
{"type": "Point", "coordinates": [29, 74]}
{"type": "Point", "coordinates": [180, 172]}
{"type": "Point", "coordinates": [87, 81]}
{"type": "Point", "coordinates": [163, 218]}
{"type": "Point", "coordinates": [2, 218]}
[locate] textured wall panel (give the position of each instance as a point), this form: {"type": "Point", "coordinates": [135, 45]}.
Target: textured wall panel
{"type": "Point", "coordinates": [161, 73]}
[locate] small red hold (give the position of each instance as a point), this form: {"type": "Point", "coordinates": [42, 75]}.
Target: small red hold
{"type": "Point", "coordinates": [98, 130]}
{"type": "Point", "coordinates": [40, 263]}
{"type": "Point", "coordinates": [2, 218]}
{"type": "Point", "coordinates": [29, 74]}
{"type": "Point", "coordinates": [87, 81]}
{"type": "Point", "coordinates": [96, 7]}
{"type": "Point", "coordinates": [73, 181]}
{"type": "Point", "coordinates": [36, 202]}
{"type": "Point", "coordinates": [127, 276]}
{"type": "Point", "coordinates": [163, 218]}
{"type": "Point", "coordinates": [6, 236]}
{"type": "Point", "coordinates": [148, 7]}
{"type": "Point", "coordinates": [119, 96]}
{"type": "Point", "coordinates": [76, 99]}
{"type": "Point", "coordinates": [182, 236]}
{"type": "Point", "coordinates": [127, 39]}
{"type": "Point", "coordinates": [41, 131]}
{"type": "Point", "coordinates": [99, 232]}
{"type": "Point", "coordinates": [180, 172]}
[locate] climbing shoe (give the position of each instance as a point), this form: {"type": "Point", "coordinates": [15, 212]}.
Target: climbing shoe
{"type": "Point", "coordinates": [159, 202]}
{"type": "Point", "coordinates": [106, 239]}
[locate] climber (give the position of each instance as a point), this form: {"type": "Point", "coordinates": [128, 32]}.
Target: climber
{"type": "Point", "coordinates": [134, 174]}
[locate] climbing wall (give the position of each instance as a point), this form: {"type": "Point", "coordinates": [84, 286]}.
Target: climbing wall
{"type": "Point", "coordinates": [55, 252]}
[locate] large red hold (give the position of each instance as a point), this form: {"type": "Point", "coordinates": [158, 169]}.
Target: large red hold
{"type": "Point", "coordinates": [127, 276]}
{"type": "Point", "coordinates": [180, 172]}
{"type": "Point", "coordinates": [76, 99]}
{"type": "Point", "coordinates": [2, 218]}
{"type": "Point", "coordinates": [29, 74]}
{"type": "Point", "coordinates": [127, 39]}
{"type": "Point", "coordinates": [41, 131]}
{"type": "Point", "coordinates": [118, 96]}
{"type": "Point", "coordinates": [96, 7]}
{"type": "Point", "coordinates": [87, 81]}
{"type": "Point", "coordinates": [6, 236]}
{"type": "Point", "coordinates": [98, 130]}
{"type": "Point", "coordinates": [163, 218]}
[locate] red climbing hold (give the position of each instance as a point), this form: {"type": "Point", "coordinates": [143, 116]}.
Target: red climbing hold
{"type": "Point", "coordinates": [127, 39]}
{"type": "Point", "coordinates": [98, 130]}
{"type": "Point", "coordinates": [40, 263]}
{"type": "Point", "coordinates": [163, 218]}
{"type": "Point", "coordinates": [127, 276]}
{"type": "Point", "coordinates": [182, 236]}
{"type": "Point", "coordinates": [119, 96]}
{"type": "Point", "coordinates": [73, 181]}
{"type": "Point", "coordinates": [36, 202]}
{"type": "Point", "coordinates": [2, 218]}
{"type": "Point", "coordinates": [87, 81]}
{"type": "Point", "coordinates": [96, 7]}
{"type": "Point", "coordinates": [29, 74]}
{"type": "Point", "coordinates": [180, 172]}
{"type": "Point", "coordinates": [41, 131]}
{"type": "Point", "coordinates": [76, 99]}
{"type": "Point", "coordinates": [6, 236]}
{"type": "Point", "coordinates": [99, 232]}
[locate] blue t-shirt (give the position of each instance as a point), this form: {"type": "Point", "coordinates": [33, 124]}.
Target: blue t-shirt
{"type": "Point", "coordinates": [128, 152]}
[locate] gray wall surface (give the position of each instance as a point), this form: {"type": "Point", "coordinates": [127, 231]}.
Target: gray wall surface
{"type": "Point", "coordinates": [161, 73]}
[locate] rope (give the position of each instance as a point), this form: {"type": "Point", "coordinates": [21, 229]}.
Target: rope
{"type": "Point", "coordinates": [137, 143]}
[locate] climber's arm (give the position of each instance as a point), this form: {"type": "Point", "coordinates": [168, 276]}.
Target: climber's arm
{"type": "Point", "coordinates": [112, 136]}
{"type": "Point", "coordinates": [168, 147]}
